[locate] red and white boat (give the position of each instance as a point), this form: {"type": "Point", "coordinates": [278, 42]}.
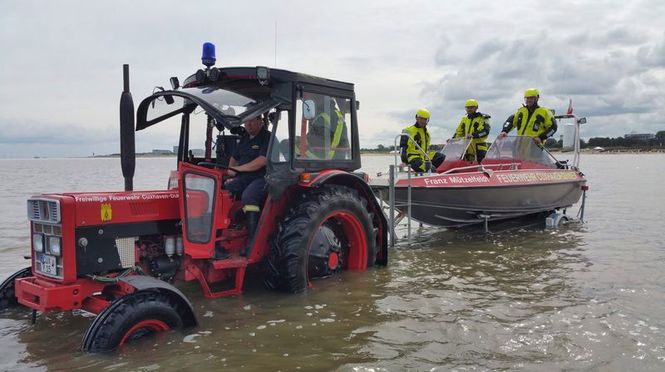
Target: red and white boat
{"type": "Point", "coordinates": [515, 179]}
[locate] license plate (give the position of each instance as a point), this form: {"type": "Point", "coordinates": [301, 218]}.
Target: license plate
{"type": "Point", "coordinates": [48, 264]}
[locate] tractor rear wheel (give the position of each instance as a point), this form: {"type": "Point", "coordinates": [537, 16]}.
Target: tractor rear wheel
{"type": "Point", "coordinates": [7, 289]}
{"type": "Point", "coordinates": [132, 317]}
{"type": "Point", "coordinates": [328, 231]}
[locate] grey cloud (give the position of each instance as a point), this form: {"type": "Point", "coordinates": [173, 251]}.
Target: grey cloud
{"type": "Point", "coordinates": [486, 49]}
{"type": "Point", "coordinates": [616, 36]}
{"type": "Point", "coordinates": [444, 53]}
{"type": "Point", "coordinates": [607, 78]}
{"type": "Point", "coordinates": [31, 132]}
{"type": "Point", "coordinates": [653, 55]}
{"type": "Point", "coordinates": [607, 56]}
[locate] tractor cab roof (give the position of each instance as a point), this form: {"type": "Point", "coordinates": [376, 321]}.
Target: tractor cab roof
{"type": "Point", "coordinates": [230, 95]}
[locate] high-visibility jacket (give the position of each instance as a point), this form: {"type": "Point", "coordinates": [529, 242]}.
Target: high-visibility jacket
{"type": "Point", "coordinates": [538, 122]}
{"type": "Point", "coordinates": [336, 135]}
{"type": "Point", "coordinates": [418, 135]}
{"type": "Point", "coordinates": [478, 126]}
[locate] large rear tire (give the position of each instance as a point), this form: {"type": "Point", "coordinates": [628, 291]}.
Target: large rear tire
{"type": "Point", "coordinates": [132, 317]}
{"type": "Point", "coordinates": [8, 287]}
{"type": "Point", "coordinates": [328, 231]}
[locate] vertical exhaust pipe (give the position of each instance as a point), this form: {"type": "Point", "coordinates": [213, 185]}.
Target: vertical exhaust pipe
{"type": "Point", "coordinates": [127, 149]}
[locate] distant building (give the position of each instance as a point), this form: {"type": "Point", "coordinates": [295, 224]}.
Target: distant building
{"type": "Point", "coordinates": [639, 136]}
{"type": "Point", "coordinates": [162, 152]}
{"type": "Point", "coordinates": [175, 149]}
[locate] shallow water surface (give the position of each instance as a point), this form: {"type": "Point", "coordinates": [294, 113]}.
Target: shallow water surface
{"type": "Point", "coordinates": [581, 297]}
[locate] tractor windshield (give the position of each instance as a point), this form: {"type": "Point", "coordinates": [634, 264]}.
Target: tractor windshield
{"type": "Point", "coordinates": [227, 102]}
{"type": "Point", "coordinates": [227, 106]}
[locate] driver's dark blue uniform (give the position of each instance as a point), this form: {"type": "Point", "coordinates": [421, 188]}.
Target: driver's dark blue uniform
{"type": "Point", "coordinates": [250, 185]}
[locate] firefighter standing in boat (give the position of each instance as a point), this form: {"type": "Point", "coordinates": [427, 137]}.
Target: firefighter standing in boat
{"type": "Point", "coordinates": [476, 127]}
{"type": "Point", "coordinates": [531, 120]}
{"type": "Point", "coordinates": [419, 158]}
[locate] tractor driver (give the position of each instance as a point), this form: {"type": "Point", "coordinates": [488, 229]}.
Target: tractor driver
{"type": "Point", "coordinates": [249, 159]}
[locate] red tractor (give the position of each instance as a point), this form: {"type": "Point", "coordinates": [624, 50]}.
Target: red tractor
{"type": "Point", "coordinates": [117, 254]}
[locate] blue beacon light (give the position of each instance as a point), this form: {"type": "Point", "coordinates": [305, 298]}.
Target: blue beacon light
{"type": "Point", "coordinates": [208, 55]}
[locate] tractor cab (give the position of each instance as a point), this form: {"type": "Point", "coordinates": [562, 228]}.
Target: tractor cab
{"type": "Point", "coordinates": [312, 120]}
{"type": "Point", "coordinates": [313, 132]}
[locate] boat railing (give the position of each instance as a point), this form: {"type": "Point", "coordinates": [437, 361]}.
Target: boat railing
{"type": "Point", "coordinates": [392, 179]}
{"type": "Point", "coordinates": [397, 150]}
{"type": "Point", "coordinates": [571, 123]}
{"type": "Point", "coordinates": [392, 176]}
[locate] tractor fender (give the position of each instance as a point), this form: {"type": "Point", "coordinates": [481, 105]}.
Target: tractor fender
{"type": "Point", "coordinates": [143, 282]}
{"type": "Point", "coordinates": [358, 182]}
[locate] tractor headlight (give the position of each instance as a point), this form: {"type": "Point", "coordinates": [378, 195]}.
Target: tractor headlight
{"type": "Point", "coordinates": [54, 245]}
{"type": "Point", "coordinates": [38, 242]}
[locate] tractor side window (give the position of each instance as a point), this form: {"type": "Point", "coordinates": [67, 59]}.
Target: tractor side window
{"type": "Point", "coordinates": [322, 132]}
{"type": "Point", "coordinates": [280, 147]}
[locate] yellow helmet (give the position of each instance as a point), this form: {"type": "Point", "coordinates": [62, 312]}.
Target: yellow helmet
{"type": "Point", "coordinates": [531, 92]}
{"type": "Point", "coordinates": [471, 103]}
{"type": "Point", "coordinates": [422, 113]}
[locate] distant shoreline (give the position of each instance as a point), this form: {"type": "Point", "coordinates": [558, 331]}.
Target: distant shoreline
{"type": "Point", "coordinates": [614, 151]}
{"type": "Point", "coordinates": [369, 153]}
{"type": "Point", "coordinates": [558, 151]}
{"type": "Point", "coordinates": [141, 155]}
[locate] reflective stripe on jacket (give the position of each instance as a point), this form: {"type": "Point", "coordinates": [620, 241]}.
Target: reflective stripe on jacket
{"type": "Point", "coordinates": [324, 119]}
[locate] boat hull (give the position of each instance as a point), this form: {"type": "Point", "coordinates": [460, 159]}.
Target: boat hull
{"type": "Point", "coordinates": [464, 199]}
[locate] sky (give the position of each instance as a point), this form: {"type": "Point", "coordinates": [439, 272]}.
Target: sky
{"type": "Point", "coordinates": [61, 62]}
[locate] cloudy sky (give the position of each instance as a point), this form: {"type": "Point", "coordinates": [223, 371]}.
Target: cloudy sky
{"type": "Point", "coordinates": [61, 61]}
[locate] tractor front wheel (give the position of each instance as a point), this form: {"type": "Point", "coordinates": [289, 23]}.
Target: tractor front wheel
{"type": "Point", "coordinates": [328, 231]}
{"type": "Point", "coordinates": [7, 289]}
{"type": "Point", "coordinates": [130, 318]}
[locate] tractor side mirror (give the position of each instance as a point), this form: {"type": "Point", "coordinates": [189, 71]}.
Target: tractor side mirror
{"type": "Point", "coordinates": [308, 109]}
{"type": "Point", "coordinates": [581, 120]}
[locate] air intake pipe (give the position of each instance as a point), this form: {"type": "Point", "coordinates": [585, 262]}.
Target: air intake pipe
{"type": "Point", "coordinates": [127, 148]}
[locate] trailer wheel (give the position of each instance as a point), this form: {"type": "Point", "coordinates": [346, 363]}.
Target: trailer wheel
{"type": "Point", "coordinates": [131, 317]}
{"type": "Point", "coordinates": [328, 231]}
{"type": "Point", "coordinates": [7, 289]}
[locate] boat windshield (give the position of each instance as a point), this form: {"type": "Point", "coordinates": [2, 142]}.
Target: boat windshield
{"type": "Point", "coordinates": [455, 148]}
{"type": "Point", "coordinates": [519, 148]}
